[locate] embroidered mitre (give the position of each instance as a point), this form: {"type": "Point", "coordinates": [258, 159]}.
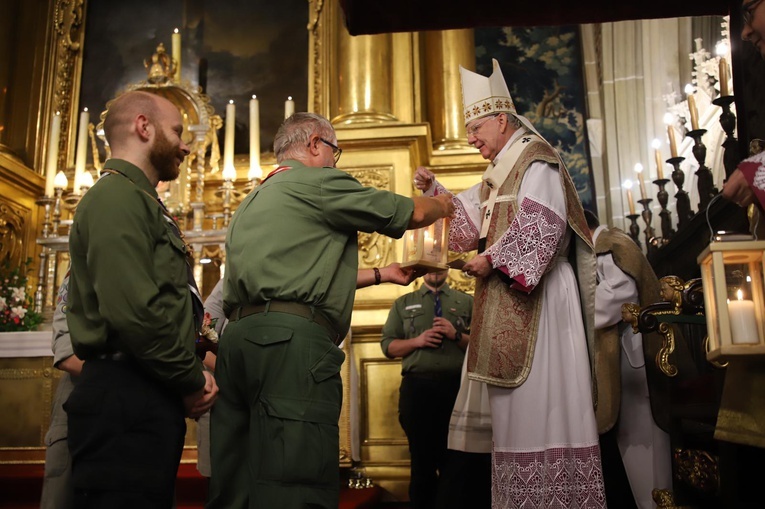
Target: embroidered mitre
{"type": "Point", "coordinates": [483, 96]}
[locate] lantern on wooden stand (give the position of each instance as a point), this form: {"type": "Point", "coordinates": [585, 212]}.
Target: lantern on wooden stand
{"type": "Point", "coordinates": [426, 249]}
{"type": "Point", "coordinates": [734, 295]}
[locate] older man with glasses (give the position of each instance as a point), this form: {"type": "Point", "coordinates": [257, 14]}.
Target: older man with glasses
{"type": "Point", "coordinates": [291, 275]}
{"type": "Point", "coordinates": [533, 302]}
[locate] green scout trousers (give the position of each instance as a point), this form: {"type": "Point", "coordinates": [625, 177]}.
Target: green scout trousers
{"type": "Point", "coordinates": [274, 429]}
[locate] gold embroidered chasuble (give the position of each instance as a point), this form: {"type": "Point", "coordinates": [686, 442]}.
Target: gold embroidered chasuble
{"type": "Point", "coordinates": [506, 320]}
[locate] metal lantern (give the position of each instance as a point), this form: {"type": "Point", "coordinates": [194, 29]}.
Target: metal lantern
{"type": "Point", "coordinates": [426, 248]}
{"type": "Point", "coordinates": [734, 295]}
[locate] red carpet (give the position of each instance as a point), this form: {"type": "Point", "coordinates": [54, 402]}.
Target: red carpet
{"type": "Point", "coordinates": [20, 487]}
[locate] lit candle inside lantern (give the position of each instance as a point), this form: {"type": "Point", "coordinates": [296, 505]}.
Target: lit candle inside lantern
{"type": "Point", "coordinates": [628, 186]}
{"type": "Point", "coordinates": [694, 112]}
{"type": "Point", "coordinates": [60, 181]}
{"type": "Point", "coordinates": [82, 149]}
{"type": "Point", "coordinates": [52, 164]}
{"type": "Point", "coordinates": [659, 163]}
{"type": "Point", "coordinates": [255, 170]}
{"type": "Point", "coordinates": [289, 107]}
{"type": "Point", "coordinates": [669, 119]}
{"type": "Point", "coordinates": [228, 144]}
{"type": "Point", "coordinates": [427, 244]}
{"type": "Point", "coordinates": [743, 322]}
{"type": "Point", "coordinates": [639, 171]}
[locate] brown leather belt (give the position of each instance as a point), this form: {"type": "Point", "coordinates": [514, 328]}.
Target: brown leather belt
{"type": "Point", "coordinates": [291, 308]}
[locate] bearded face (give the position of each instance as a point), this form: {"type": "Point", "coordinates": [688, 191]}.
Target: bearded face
{"type": "Point", "coordinates": [166, 157]}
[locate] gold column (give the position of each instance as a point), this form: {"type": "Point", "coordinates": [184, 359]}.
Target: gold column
{"type": "Point", "coordinates": [445, 51]}
{"type": "Point", "coordinates": [362, 92]}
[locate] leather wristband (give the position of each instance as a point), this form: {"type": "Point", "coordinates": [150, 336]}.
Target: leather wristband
{"type": "Point", "coordinates": [378, 277]}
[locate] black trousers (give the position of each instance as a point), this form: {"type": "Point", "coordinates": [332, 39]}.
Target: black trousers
{"type": "Point", "coordinates": [465, 481]}
{"type": "Point", "coordinates": [425, 406]}
{"type": "Point", "coordinates": [126, 433]}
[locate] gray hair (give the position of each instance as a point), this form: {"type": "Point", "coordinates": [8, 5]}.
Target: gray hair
{"type": "Point", "coordinates": [514, 121]}
{"type": "Point", "coordinates": [294, 134]}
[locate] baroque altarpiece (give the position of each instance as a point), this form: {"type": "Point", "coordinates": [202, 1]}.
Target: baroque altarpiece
{"type": "Point", "coordinates": [395, 102]}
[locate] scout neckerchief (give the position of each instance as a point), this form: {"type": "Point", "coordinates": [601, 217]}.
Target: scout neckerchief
{"type": "Point", "coordinates": [277, 170]}
{"type": "Point", "coordinates": [197, 305]}
{"type": "Point", "coordinates": [495, 176]}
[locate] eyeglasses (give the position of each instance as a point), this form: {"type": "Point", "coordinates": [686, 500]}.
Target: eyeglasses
{"type": "Point", "coordinates": [473, 130]}
{"type": "Point", "coordinates": [336, 151]}
{"type": "Point", "coordinates": [747, 11]}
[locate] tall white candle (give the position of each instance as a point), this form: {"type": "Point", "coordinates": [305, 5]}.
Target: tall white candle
{"type": "Point", "coordinates": [228, 146]}
{"type": "Point", "coordinates": [656, 144]}
{"type": "Point", "coordinates": [176, 51]}
{"type": "Point", "coordinates": [256, 171]}
{"type": "Point", "coordinates": [82, 149]}
{"type": "Point", "coordinates": [694, 112]}
{"type": "Point", "coordinates": [289, 107]}
{"type": "Point", "coordinates": [639, 171]}
{"type": "Point", "coordinates": [52, 163]}
{"type": "Point", "coordinates": [628, 186]}
{"type": "Point", "coordinates": [743, 322]}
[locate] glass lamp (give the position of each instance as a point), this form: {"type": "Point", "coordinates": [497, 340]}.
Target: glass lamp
{"type": "Point", "coordinates": [426, 249]}
{"type": "Point", "coordinates": [734, 295]}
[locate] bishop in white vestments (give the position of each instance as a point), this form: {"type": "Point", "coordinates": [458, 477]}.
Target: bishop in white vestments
{"type": "Point", "coordinates": [533, 306]}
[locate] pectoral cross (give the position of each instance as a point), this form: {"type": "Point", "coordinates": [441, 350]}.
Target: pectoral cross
{"type": "Point", "coordinates": [488, 213]}
{"type": "Point", "coordinates": [525, 140]}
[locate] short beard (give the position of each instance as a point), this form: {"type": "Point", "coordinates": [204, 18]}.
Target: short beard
{"type": "Point", "coordinates": [162, 157]}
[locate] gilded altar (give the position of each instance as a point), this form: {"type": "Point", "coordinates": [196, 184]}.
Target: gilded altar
{"type": "Point", "coordinates": [403, 112]}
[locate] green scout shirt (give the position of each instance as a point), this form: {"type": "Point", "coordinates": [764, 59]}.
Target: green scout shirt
{"type": "Point", "coordinates": [128, 286]}
{"type": "Point", "coordinates": [412, 314]}
{"type": "Point", "coordinates": [294, 238]}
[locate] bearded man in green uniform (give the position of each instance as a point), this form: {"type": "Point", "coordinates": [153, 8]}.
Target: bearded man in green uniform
{"type": "Point", "coordinates": [291, 274]}
{"type": "Point", "coordinates": [134, 314]}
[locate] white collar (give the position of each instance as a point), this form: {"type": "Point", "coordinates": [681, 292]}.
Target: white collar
{"type": "Point", "coordinates": [517, 134]}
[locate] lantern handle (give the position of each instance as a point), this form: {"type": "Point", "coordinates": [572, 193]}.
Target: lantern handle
{"type": "Point", "coordinates": [709, 223]}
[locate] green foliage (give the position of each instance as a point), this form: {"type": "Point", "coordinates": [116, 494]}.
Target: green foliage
{"type": "Point", "coordinates": [16, 302]}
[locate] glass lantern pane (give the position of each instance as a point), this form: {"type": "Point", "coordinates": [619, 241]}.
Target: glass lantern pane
{"type": "Point", "coordinates": [740, 300]}
{"type": "Point", "coordinates": [427, 247]}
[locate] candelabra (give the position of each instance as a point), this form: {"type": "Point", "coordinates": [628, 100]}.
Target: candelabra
{"type": "Point", "coordinates": [634, 228]}
{"type": "Point", "coordinates": [230, 196]}
{"type": "Point", "coordinates": [57, 201]}
{"type": "Point", "coordinates": [728, 123]}
{"type": "Point", "coordinates": [665, 215]}
{"type": "Point", "coordinates": [647, 217]}
{"type": "Point", "coordinates": [682, 201]}
{"type": "Point", "coordinates": [705, 185]}
{"type": "Point", "coordinates": [45, 202]}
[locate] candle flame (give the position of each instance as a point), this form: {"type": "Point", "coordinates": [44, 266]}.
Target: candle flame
{"type": "Point", "coordinates": [175, 31]}
{"type": "Point", "coordinates": [85, 109]}
{"type": "Point", "coordinates": [721, 48]}
{"type": "Point", "coordinates": [669, 118]}
{"type": "Point", "coordinates": [231, 101]}
{"type": "Point", "coordinates": [639, 168]}
{"type": "Point", "coordinates": [289, 97]}
{"type": "Point", "coordinates": [627, 184]}
{"type": "Point", "coordinates": [689, 89]}
{"type": "Point", "coordinates": [740, 294]}
{"type": "Point", "coordinates": [254, 96]}
{"type": "Point", "coordinates": [656, 144]}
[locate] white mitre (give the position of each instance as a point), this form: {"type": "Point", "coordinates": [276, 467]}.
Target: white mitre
{"type": "Point", "coordinates": [482, 96]}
